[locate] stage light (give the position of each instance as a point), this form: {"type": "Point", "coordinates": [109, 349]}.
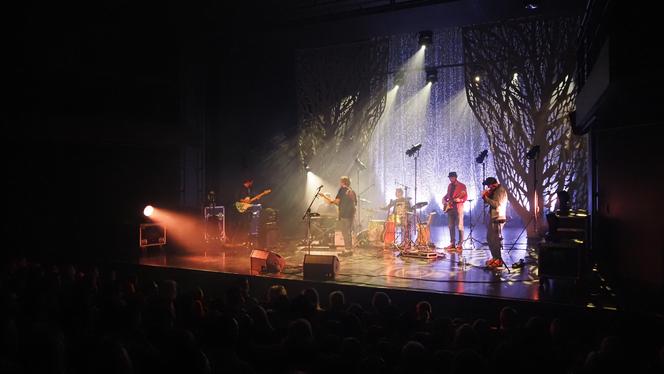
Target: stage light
{"type": "Point", "coordinates": [432, 75]}
{"type": "Point", "coordinates": [148, 211]}
{"type": "Point", "coordinates": [531, 4]}
{"type": "Point", "coordinates": [306, 167]}
{"type": "Point", "coordinates": [477, 79]}
{"type": "Point", "coordinates": [425, 38]}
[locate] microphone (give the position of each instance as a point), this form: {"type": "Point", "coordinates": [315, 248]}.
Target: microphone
{"type": "Point", "coordinates": [360, 164]}
{"type": "Point", "coordinates": [320, 187]}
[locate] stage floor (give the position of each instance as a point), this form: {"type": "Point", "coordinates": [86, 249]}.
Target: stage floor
{"type": "Point", "coordinates": [386, 268]}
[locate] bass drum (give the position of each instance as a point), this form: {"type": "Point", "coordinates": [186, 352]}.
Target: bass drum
{"type": "Point", "coordinates": [362, 238]}
{"type": "Point", "coordinates": [390, 231]}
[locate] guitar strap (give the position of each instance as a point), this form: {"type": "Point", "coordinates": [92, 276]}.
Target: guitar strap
{"type": "Point", "coordinates": [452, 194]}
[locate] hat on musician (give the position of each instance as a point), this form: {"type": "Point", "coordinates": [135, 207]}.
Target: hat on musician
{"type": "Point", "coordinates": [452, 174]}
{"type": "Point", "coordinates": [489, 181]}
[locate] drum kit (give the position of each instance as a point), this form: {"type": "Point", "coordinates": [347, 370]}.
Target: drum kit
{"type": "Point", "coordinates": [396, 231]}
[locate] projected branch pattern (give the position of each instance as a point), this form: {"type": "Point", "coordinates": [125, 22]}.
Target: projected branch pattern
{"type": "Point", "coordinates": [522, 98]}
{"type": "Point", "coordinates": [341, 96]}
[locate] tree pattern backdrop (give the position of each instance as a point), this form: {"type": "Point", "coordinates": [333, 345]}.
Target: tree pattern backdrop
{"type": "Point", "coordinates": [519, 83]}
{"type": "Point", "coordinates": [341, 96]}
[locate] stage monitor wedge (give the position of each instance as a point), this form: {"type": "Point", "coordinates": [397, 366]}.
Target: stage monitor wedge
{"type": "Point", "coordinates": [320, 267]}
{"type": "Point", "coordinates": [263, 261]}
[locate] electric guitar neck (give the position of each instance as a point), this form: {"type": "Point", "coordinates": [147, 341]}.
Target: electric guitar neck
{"type": "Point", "coordinates": [242, 206]}
{"type": "Point", "coordinates": [326, 198]}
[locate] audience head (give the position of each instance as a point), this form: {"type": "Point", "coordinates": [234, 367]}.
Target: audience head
{"type": "Point", "coordinates": [275, 293]}
{"type": "Point", "coordinates": [337, 300]}
{"type": "Point", "coordinates": [508, 318]}
{"type": "Point", "coordinates": [380, 301]}
{"type": "Point", "coordinates": [423, 311]}
{"type": "Point", "coordinates": [312, 295]}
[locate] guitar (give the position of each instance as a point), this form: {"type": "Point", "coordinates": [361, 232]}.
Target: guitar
{"type": "Point", "coordinates": [242, 206]}
{"type": "Point", "coordinates": [326, 198]}
{"type": "Point", "coordinates": [450, 204]}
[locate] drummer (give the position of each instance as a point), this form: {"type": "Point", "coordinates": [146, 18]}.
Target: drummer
{"type": "Point", "coordinates": [398, 208]}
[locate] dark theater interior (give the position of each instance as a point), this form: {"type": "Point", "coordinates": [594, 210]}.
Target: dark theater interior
{"type": "Point", "coordinates": [332, 186]}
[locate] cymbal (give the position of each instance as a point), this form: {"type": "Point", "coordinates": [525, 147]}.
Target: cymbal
{"type": "Point", "coordinates": [421, 204]}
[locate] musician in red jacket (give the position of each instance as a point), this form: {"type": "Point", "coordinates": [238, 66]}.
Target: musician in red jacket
{"type": "Point", "coordinates": [453, 205]}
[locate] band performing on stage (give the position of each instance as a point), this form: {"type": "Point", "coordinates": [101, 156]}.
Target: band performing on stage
{"type": "Point", "coordinates": [333, 223]}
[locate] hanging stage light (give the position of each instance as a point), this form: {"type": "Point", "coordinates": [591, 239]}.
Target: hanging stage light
{"type": "Point", "coordinates": [432, 75]}
{"type": "Point", "coordinates": [480, 158]}
{"type": "Point", "coordinates": [425, 38]}
{"type": "Point", "coordinates": [533, 152]}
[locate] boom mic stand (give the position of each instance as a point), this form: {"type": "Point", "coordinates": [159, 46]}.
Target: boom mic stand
{"type": "Point", "coordinates": [426, 254]}
{"type": "Point", "coordinates": [308, 215]}
{"type": "Point", "coordinates": [481, 159]}
{"type": "Point", "coordinates": [360, 167]}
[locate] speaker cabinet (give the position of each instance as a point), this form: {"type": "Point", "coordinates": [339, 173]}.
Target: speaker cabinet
{"type": "Point", "coordinates": [561, 260]}
{"type": "Point", "coordinates": [320, 267]}
{"type": "Point", "coordinates": [263, 261]}
{"type": "Point", "coordinates": [151, 234]}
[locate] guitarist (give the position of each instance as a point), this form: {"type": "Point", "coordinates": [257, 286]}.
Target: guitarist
{"type": "Point", "coordinates": [453, 205]}
{"type": "Point", "coordinates": [346, 200]}
{"type": "Point", "coordinates": [244, 221]}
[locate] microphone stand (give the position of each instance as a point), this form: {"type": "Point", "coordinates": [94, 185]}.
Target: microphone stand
{"type": "Point", "coordinates": [307, 215]}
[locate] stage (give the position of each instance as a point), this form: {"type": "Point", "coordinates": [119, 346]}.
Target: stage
{"type": "Point", "coordinates": [379, 267]}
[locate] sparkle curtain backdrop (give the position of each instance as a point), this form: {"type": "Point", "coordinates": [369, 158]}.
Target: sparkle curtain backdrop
{"type": "Point", "coordinates": [336, 127]}
{"type": "Point", "coordinates": [451, 138]}
{"type": "Point", "coordinates": [348, 109]}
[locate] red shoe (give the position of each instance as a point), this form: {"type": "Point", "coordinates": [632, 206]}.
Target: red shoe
{"type": "Point", "coordinates": [459, 248]}
{"type": "Point", "coordinates": [490, 262]}
{"type": "Point", "coordinates": [497, 263]}
{"type": "Point", "coordinates": [451, 246]}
